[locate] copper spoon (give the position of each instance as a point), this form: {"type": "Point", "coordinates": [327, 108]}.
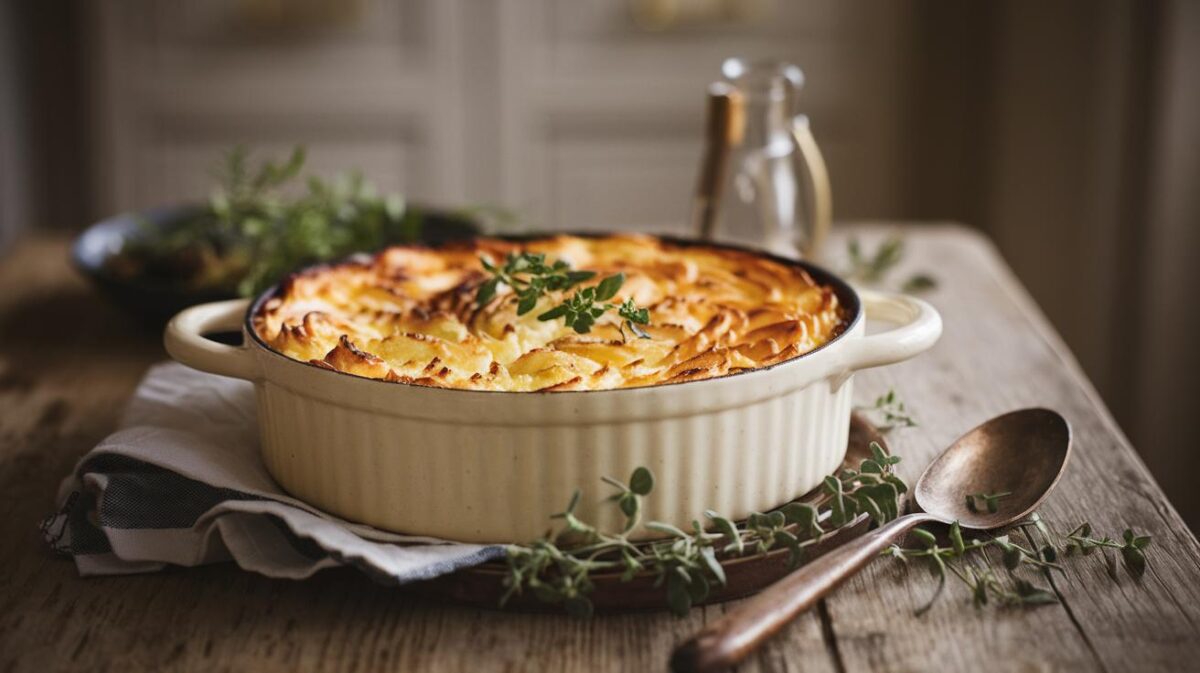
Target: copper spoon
{"type": "Point", "coordinates": [1021, 452]}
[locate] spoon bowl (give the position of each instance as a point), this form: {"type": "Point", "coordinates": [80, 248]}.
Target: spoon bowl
{"type": "Point", "coordinates": [1021, 454]}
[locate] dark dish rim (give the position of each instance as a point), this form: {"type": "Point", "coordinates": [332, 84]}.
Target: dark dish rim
{"type": "Point", "coordinates": [845, 293]}
{"type": "Point", "coordinates": [124, 226]}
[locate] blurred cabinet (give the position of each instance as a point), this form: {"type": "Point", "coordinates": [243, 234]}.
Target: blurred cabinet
{"type": "Point", "coordinates": [580, 114]}
{"type": "Point", "coordinates": [363, 84]}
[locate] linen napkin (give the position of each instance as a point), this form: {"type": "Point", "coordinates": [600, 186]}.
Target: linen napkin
{"type": "Point", "coordinates": [181, 483]}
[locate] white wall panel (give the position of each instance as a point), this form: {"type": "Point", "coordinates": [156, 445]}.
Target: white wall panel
{"type": "Point", "coordinates": [572, 113]}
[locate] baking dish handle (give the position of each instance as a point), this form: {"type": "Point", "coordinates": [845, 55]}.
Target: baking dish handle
{"type": "Point", "coordinates": [919, 327]}
{"type": "Point", "coordinates": [185, 341]}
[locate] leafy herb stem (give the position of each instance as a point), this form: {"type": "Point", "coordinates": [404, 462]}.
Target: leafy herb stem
{"type": "Point", "coordinates": [991, 501]}
{"type": "Point", "coordinates": [258, 225]}
{"type": "Point", "coordinates": [558, 567]}
{"type": "Point", "coordinates": [967, 560]}
{"type": "Point", "coordinates": [890, 408]}
{"type": "Point", "coordinates": [872, 267]}
{"type": "Point", "coordinates": [531, 278]}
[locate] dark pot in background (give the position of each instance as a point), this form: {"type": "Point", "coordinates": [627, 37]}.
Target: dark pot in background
{"type": "Point", "coordinates": [152, 301]}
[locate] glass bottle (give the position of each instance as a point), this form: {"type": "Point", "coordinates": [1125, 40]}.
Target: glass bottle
{"type": "Point", "coordinates": [758, 145]}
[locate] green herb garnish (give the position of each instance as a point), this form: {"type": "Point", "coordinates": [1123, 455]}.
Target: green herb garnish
{"type": "Point", "coordinates": [634, 316]}
{"type": "Point", "coordinates": [558, 568]}
{"type": "Point", "coordinates": [531, 278]}
{"type": "Point", "coordinates": [990, 501]}
{"type": "Point", "coordinates": [919, 282]}
{"type": "Point", "coordinates": [890, 408]}
{"type": "Point", "coordinates": [1080, 541]}
{"type": "Point", "coordinates": [966, 560]}
{"type": "Point", "coordinates": [873, 267]}
{"type": "Point", "coordinates": [686, 565]}
{"type": "Point", "coordinates": [870, 268]}
{"type": "Point", "coordinates": [255, 228]}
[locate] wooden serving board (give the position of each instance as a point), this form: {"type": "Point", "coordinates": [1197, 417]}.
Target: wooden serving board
{"type": "Point", "coordinates": [483, 585]}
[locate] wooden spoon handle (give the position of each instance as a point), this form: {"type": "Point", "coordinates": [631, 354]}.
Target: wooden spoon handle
{"type": "Point", "coordinates": [728, 640]}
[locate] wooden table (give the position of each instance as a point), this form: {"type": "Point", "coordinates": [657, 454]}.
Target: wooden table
{"type": "Point", "coordinates": [68, 362]}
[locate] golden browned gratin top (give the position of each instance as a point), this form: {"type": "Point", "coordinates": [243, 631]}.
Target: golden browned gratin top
{"type": "Point", "coordinates": [409, 315]}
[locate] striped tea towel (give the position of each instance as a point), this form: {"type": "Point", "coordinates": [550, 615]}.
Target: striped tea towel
{"type": "Point", "coordinates": [181, 483]}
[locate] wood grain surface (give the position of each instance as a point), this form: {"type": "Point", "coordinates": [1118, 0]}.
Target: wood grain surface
{"type": "Point", "coordinates": [68, 362]}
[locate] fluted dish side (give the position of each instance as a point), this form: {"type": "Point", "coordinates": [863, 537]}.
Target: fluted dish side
{"type": "Point", "coordinates": [491, 466]}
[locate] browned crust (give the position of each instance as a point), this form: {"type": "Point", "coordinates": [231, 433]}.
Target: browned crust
{"type": "Point", "coordinates": [409, 314]}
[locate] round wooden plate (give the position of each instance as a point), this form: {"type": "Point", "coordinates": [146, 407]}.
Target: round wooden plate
{"type": "Point", "coordinates": [483, 585]}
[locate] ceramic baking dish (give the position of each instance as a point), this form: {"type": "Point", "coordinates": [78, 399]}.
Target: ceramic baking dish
{"type": "Point", "coordinates": [488, 466]}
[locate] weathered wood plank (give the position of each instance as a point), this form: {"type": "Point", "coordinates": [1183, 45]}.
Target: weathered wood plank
{"type": "Point", "coordinates": [998, 354]}
{"type": "Point", "coordinates": [68, 362]}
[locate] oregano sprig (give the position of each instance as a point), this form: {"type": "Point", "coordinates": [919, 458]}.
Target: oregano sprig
{"type": "Point", "coordinates": [686, 564]}
{"type": "Point", "coordinates": [581, 309]}
{"type": "Point", "coordinates": [531, 278]}
{"type": "Point", "coordinates": [1131, 548]}
{"type": "Point", "coordinates": [872, 267]}
{"type": "Point", "coordinates": [890, 411]}
{"type": "Point", "coordinates": [966, 560]}
{"type": "Point", "coordinates": [989, 501]}
{"type": "Point", "coordinates": [633, 316]}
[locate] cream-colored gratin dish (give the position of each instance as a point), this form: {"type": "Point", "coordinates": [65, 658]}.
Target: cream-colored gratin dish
{"type": "Point", "coordinates": [490, 465]}
{"type": "Point", "coordinates": [413, 315]}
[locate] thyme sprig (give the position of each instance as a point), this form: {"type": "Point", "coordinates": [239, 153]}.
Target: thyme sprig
{"type": "Point", "coordinates": [919, 282]}
{"type": "Point", "coordinates": [890, 410]}
{"type": "Point", "coordinates": [968, 560]}
{"type": "Point", "coordinates": [560, 567]}
{"type": "Point", "coordinates": [990, 501]}
{"type": "Point", "coordinates": [686, 564]}
{"type": "Point", "coordinates": [1131, 547]}
{"type": "Point", "coordinates": [531, 278]}
{"type": "Point", "coordinates": [873, 267]}
{"type": "Point", "coordinates": [265, 219]}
